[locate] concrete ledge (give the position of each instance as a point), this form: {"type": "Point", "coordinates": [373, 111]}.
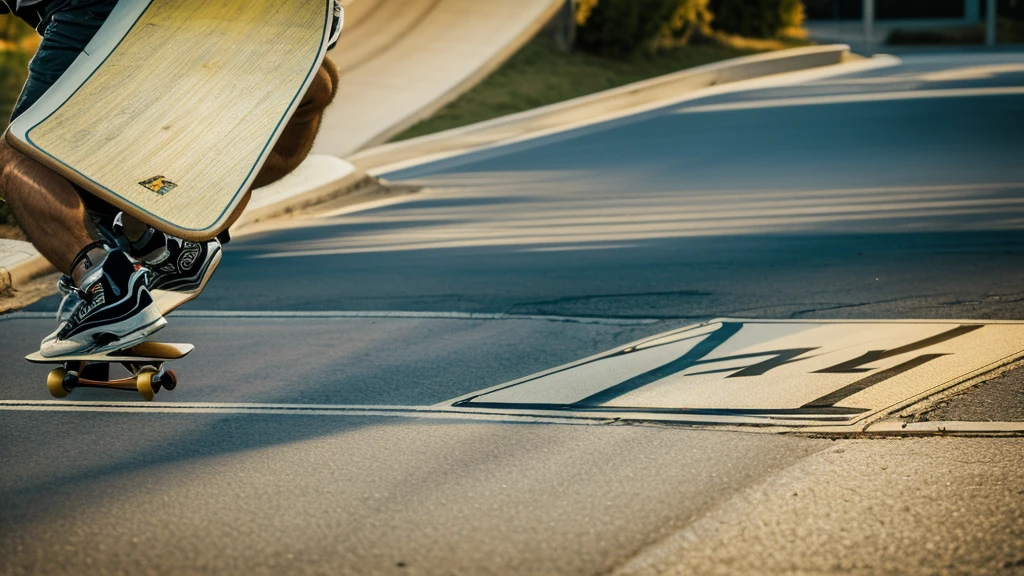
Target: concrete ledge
{"type": "Point", "coordinates": [616, 100]}
{"type": "Point", "coordinates": [899, 428]}
{"type": "Point", "coordinates": [319, 179]}
{"type": "Point", "coordinates": [401, 60]}
{"type": "Point", "coordinates": [19, 263]}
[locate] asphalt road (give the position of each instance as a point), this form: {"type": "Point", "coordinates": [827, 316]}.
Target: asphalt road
{"type": "Point", "coordinates": [889, 194]}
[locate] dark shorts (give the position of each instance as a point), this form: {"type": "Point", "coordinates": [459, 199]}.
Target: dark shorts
{"type": "Point", "coordinates": [67, 27]}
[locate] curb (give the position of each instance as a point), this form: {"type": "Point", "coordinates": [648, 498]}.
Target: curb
{"type": "Point", "coordinates": [616, 100]}
{"type": "Point", "coordinates": [24, 270]}
{"type": "Point", "coordinates": [938, 428]}
{"type": "Point", "coordinates": [320, 178]}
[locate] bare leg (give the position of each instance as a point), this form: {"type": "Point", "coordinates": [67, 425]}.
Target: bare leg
{"type": "Point", "coordinates": [48, 208]}
{"type": "Point", "coordinates": [298, 136]}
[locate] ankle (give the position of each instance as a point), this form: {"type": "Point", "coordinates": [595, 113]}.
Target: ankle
{"type": "Point", "coordinates": [89, 259]}
{"type": "Point", "coordinates": [145, 243]}
{"type": "Point", "coordinates": [132, 228]}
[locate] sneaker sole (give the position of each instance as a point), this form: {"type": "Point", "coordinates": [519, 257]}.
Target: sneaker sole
{"type": "Point", "coordinates": [152, 321]}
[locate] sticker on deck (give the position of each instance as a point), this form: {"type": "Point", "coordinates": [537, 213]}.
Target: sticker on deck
{"type": "Point", "coordinates": [775, 373]}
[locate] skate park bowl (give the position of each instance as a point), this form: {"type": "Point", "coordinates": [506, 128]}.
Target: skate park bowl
{"type": "Point", "coordinates": [402, 60]}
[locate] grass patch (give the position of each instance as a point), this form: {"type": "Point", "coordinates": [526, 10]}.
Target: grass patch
{"type": "Point", "coordinates": [539, 74]}
{"type": "Point", "coordinates": [18, 42]}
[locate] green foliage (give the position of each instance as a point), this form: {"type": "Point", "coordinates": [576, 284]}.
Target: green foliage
{"type": "Point", "coordinates": [690, 17]}
{"type": "Point", "coordinates": [584, 8]}
{"type": "Point", "coordinates": [16, 48]}
{"type": "Point", "coordinates": [618, 28]}
{"type": "Point", "coordinates": [757, 18]}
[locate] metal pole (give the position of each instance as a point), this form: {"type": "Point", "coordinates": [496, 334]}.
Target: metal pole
{"type": "Point", "coordinates": [869, 22]}
{"type": "Point", "coordinates": [990, 23]}
{"type": "Point", "coordinates": [972, 12]}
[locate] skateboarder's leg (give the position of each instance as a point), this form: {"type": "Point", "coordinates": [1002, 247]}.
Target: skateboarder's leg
{"type": "Point", "coordinates": [107, 301]}
{"type": "Point", "coordinates": [297, 138]}
{"type": "Point", "coordinates": [299, 134]}
{"type": "Point", "coordinates": [48, 208]}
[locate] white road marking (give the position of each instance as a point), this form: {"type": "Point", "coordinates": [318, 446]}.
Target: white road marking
{"type": "Point", "coordinates": [385, 314]}
{"type": "Point", "coordinates": [853, 98]}
{"type": "Point", "coordinates": [778, 373]}
{"type": "Point", "coordinates": [295, 410]}
{"type": "Point", "coordinates": [835, 377]}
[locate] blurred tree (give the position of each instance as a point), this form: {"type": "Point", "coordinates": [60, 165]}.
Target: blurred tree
{"type": "Point", "coordinates": [1011, 9]}
{"type": "Point", "coordinates": [18, 41]}
{"type": "Point", "coordinates": [691, 17]}
{"type": "Point", "coordinates": [757, 18]}
{"type": "Point", "coordinates": [622, 27]}
{"type": "Point", "coordinates": [583, 10]}
{"type": "Point", "coordinates": [562, 27]}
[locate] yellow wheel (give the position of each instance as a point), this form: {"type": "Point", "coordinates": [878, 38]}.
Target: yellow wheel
{"type": "Point", "coordinates": [144, 382]}
{"type": "Point", "coordinates": [55, 382]}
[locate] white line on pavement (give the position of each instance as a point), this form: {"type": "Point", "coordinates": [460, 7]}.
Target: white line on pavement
{"type": "Point", "coordinates": [292, 409]}
{"type": "Point", "coordinates": [387, 314]}
{"type": "Point", "coordinates": [884, 428]}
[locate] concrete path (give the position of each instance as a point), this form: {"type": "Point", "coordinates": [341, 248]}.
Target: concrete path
{"type": "Point", "coordinates": [401, 60]}
{"type": "Point", "coordinates": [302, 438]}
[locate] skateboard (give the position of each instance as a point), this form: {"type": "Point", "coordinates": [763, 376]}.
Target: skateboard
{"type": "Point", "coordinates": [144, 362]}
{"type": "Point", "coordinates": [174, 106]}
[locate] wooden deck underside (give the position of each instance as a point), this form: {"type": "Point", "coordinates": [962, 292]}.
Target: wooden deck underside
{"type": "Point", "coordinates": [146, 351]}
{"type": "Point", "coordinates": [195, 94]}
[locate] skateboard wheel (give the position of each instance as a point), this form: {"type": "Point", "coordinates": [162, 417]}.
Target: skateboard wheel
{"type": "Point", "coordinates": [144, 383]}
{"type": "Point", "coordinates": [169, 380]}
{"type": "Point", "coordinates": [55, 383]}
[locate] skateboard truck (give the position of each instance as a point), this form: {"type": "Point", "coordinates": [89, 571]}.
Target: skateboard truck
{"type": "Point", "coordinates": [144, 362]}
{"type": "Point", "coordinates": [147, 379]}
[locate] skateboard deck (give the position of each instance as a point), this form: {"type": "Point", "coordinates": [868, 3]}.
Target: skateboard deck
{"type": "Point", "coordinates": [144, 362]}
{"type": "Point", "coordinates": [174, 106]}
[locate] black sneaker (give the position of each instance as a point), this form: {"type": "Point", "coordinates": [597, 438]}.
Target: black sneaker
{"type": "Point", "coordinates": [178, 265]}
{"type": "Point", "coordinates": [114, 311]}
{"type": "Point", "coordinates": [187, 267]}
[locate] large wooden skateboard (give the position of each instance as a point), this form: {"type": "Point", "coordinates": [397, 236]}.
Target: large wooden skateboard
{"type": "Point", "coordinates": [175, 105]}
{"type": "Point", "coordinates": [144, 363]}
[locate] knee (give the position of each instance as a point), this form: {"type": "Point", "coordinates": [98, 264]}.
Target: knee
{"type": "Point", "coordinates": [320, 94]}
{"type": "Point", "coordinates": [9, 161]}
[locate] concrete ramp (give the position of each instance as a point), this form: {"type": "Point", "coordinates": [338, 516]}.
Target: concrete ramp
{"type": "Point", "coordinates": [401, 60]}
